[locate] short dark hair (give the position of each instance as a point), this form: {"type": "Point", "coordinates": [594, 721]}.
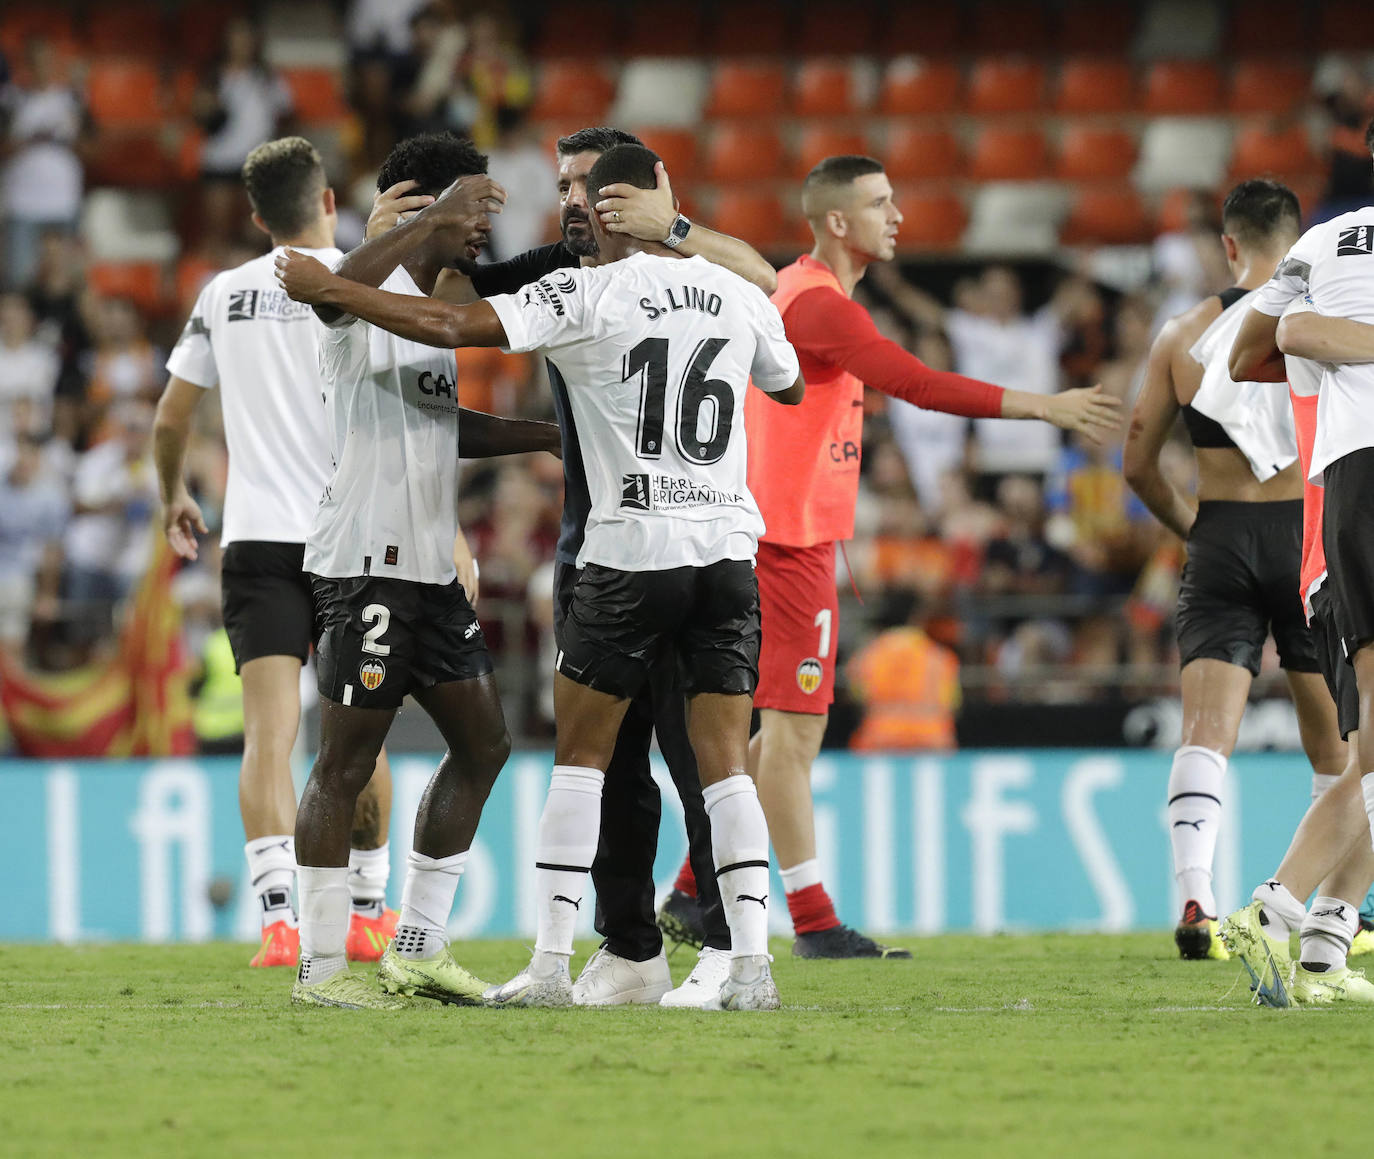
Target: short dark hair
{"type": "Point", "coordinates": [831, 174]}
{"type": "Point", "coordinates": [597, 139]}
{"type": "Point", "coordinates": [434, 160]}
{"type": "Point", "coordinates": [627, 164]}
{"type": "Point", "coordinates": [284, 179]}
{"type": "Point", "coordinates": [1255, 210]}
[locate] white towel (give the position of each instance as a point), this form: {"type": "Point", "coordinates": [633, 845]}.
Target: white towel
{"type": "Point", "coordinates": [1256, 415]}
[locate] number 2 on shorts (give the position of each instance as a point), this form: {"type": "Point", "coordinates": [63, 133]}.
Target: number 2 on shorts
{"type": "Point", "coordinates": [372, 640]}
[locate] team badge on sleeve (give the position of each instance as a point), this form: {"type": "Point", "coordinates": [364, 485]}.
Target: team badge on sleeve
{"type": "Point", "coordinates": [809, 675]}
{"type": "Point", "coordinates": [372, 672]}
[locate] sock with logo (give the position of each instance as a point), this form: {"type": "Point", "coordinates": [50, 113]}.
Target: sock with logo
{"type": "Point", "coordinates": [1194, 816]}
{"type": "Point", "coordinates": [1327, 931]}
{"type": "Point", "coordinates": [1283, 914]}
{"type": "Point", "coordinates": [739, 844]}
{"type": "Point", "coordinates": [1321, 782]}
{"type": "Point", "coordinates": [686, 880]}
{"type": "Point", "coordinates": [807, 902]}
{"type": "Point", "coordinates": [324, 921]}
{"type": "Point", "coordinates": [369, 870]}
{"type": "Point", "coordinates": [272, 872]}
{"type": "Point", "coordinates": [568, 831]}
{"type": "Point", "coordinates": [426, 902]}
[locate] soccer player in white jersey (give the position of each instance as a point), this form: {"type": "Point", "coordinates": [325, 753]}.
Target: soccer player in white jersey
{"type": "Point", "coordinates": [261, 349]}
{"type": "Point", "coordinates": [657, 352]}
{"type": "Point", "coordinates": [393, 618]}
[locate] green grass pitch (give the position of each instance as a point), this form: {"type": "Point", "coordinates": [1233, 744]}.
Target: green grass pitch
{"type": "Point", "coordinates": [1009, 1046]}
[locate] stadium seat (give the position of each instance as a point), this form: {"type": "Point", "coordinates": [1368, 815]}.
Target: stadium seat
{"type": "Point", "coordinates": [1268, 27]}
{"type": "Point", "coordinates": [913, 87]}
{"type": "Point", "coordinates": [660, 91]}
{"type": "Point", "coordinates": [1009, 154]}
{"type": "Point", "coordinates": [143, 283]}
{"type": "Point", "coordinates": [1106, 215]}
{"type": "Point", "coordinates": [818, 142]}
{"type": "Point", "coordinates": [301, 34]}
{"type": "Point", "coordinates": [125, 28]}
{"type": "Point", "coordinates": [133, 160]}
{"type": "Point", "coordinates": [933, 219]}
{"type": "Point", "coordinates": [571, 93]}
{"type": "Point", "coordinates": [677, 148]}
{"type": "Point", "coordinates": [757, 217]}
{"type": "Point", "coordinates": [1094, 153]}
{"type": "Point", "coordinates": [1006, 85]}
{"type": "Point", "coordinates": [1002, 26]}
{"type": "Point", "coordinates": [119, 226]}
{"type": "Point", "coordinates": [1174, 207]}
{"type": "Point", "coordinates": [1181, 87]}
{"type": "Point", "coordinates": [1095, 85]}
{"type": "Point", "coordinates": [1186, 151]}
{"type": "Point", "coordinates": [198, 31]}
{"type": "Point", "coordinates": [916, 154]}
{"type": "Point", "coordinates": [663, 28]}
{"type": "Point", "coordinates": [590, 29]}
{"type": "Point", "coordinates": [1268, 86]}
{"type": "Point", "coordinates": [750, 28]}
{"type": "Point", "coordinates": [837, 28]}
{"type": "Point", "coordinates": [1179, 29]}
{"type": "Point", "coordinates": [747, 89]}
{"type": "Point", "coordinates": [1345, 27]}
{"type": "Point", "coordinates": [745, 153]}
{"type": "Point", "coordinates": [317, 94]}
{"type": "Point", "coordinates": [125, 93]}
{"type": "Point", "coordinates": [1089, 26]}
{"type": "Point", "coordinates": [20, 23]}
{"type": "Point", "coordinates": [824, 88]}
{"type": "Point", "coordinates": [1285, 153]}
{"type": "Point", "coordinates": [923, 27]}
{"type": "Point", "coordinates": [192, 272]}
{"type": "Point", "coordinates": [1016, 218]}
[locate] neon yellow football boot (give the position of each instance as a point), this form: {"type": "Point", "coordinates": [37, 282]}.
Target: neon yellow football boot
{"type": "Point", "coordinates": [1266, 959]}
{"type": "Point", "coordinates": [1342, 984]}
{"type": "Point", "coordinates": [438, 977]}
{"type": "Point", "coordinates": [345, 991]}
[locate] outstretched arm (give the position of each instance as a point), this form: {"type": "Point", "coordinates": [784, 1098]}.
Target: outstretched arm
{"type": "Point", "coordinates": [484, 436]}
{"type": "Point", "coordinates": [419, 319]}
{"type": "Point", "coordinates": [1310, 335]}
{"type": "Point", "coordinates": [1151, 421]}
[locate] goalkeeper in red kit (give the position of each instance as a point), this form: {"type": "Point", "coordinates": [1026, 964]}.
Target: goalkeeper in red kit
{"type": "Point", "coordinates": [804, 472]}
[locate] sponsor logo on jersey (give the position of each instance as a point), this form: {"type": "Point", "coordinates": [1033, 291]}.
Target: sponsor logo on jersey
{"type": "Point", "coordinates": [471, 630]}
{"type": "Point", "coordinates": [432, 385]}
{"type": "Point", "coordinates": [547, 293]}
{"type": "Point", "coordinates": [243, 304]}
{"type": "Point", "coordinates": [634, 492]}
{"type": "Point", "coordinates": [844, 452]}
{"type": "Point", "coordinates": [670, 493]}
{"type": "Point", "coordinates": [265, 306]}
{"type": "Point", "coordinates": [1356, 241]}
{"type": "Point", "coordinates": [809, 675]}
{"type": "Point", "coordinates": [371, 673]}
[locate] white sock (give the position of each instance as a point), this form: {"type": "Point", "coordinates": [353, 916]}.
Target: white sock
{"type": "Point", "coordinates": [1283, 913]}
{"type": "Point", "coordinates": [426, 902]}
{"type": "Point", "coordinates": [1321, 782]}
{"type": "Point", "coordinates": [1367, 789]}
{"type": "Point", "coordinates": [568, 831]}
{"type": "Point", "coordinates": [739, 844]}
{"type": "Point", "coordinates": [1327, 932]}
{"type": "Point", "coordinates": [324, 920]}
{"type": "Point", "coordinates": [801, 876]}
{"type": "Point", "coordinates": [368, 872]}
{"type": "Point", "coordinates": [1194, 814]}
{"type": "Point", "coordinates": [272, 872]}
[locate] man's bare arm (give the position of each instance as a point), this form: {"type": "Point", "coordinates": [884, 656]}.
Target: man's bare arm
{"type": "Point", "coordinates": [1255, 355]}
{"type": "Point", "coordinates": [1309, 335]}
{"type": "Point", "coordinates": [792, 395]}
{"type": "Point", "coordinates": [1151, 421]}
{"type": "Point", "coordinates": [484, 436]}
{"type": "Point", "coordinates": [181, 515]}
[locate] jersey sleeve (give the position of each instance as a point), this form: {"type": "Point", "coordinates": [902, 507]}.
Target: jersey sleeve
{"type": "Point", "coordinates": [546, 314]}
{"type": "Point", "coordinates": [775, 365]}
{"type": "Point", "coordinates": [193, 357]}
{"type": "Point", "coordinates": [1293, 278]}
{"type": "Point", "coordinates": [826, 325]}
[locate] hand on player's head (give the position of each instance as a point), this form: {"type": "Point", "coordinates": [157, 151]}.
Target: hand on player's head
{"type": "Point", "coordinates": [1088, 410]}
{"type": "Point", "coordinates": [302, 277]}
{"type": "Point", "coordinates": [647, 214]}
{"type": "Point", "coordinates": [472, 196]}
{"type": "Point", "coordinates": [389, 205]}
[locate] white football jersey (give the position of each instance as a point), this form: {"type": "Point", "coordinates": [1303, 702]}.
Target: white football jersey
{"type": "Point", "coordinates": [656, 354]}
{"type": "Point", "coordinates": [391, 505]}
{"type": "Point", "coordinates": [1332, 264]}
{"type": "Point", "coordinates": [262, 350]}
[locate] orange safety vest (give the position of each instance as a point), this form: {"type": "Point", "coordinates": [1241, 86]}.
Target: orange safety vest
{"type": "Point", "coordinates": [910, 689]}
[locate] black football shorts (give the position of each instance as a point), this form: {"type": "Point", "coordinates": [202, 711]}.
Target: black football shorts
{"type": "Point", "coordinates": [266, 600]}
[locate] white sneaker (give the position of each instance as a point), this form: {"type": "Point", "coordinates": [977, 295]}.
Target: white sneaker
{"type": "Point", "coordinates": [750, 985]}
{"type": "Point", "coordinates": [610, 980]}
{"type": "Point", "coordinates": [701, 989]}
{"type": "Point", "coordinates": [529, 989]}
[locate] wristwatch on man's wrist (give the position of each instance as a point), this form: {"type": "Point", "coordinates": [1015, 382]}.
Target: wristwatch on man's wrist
{"type": "Point", "coordinates": [681, 225]}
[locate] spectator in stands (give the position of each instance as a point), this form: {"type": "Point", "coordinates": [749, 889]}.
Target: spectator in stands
{"type": "Point", "coordinates": [381, 64]}
{"type": "Point", "coordinates": [33, 516]}
{"type": "Point", "coordinates": [494, 71]}
{"type": "Point", "coordinates": [240, 104]}
{"type": "Point", "coordinates": [932, 443]}
{"type": "Point", "coordinates": [1123, 373]}
{"type": "Point", "coordinates": [42, 180]}
{"type": "Point", "coordinates": [434, 97]}
{"type": "Point", "coordinates": [519, 161]}
{"type": "Point", "coordinates": [123, 365]}
{"type": "Point", "coordinates": [1189, 262]}
{"type": "Point", "coordinates": [1345, 98]}
{"type": "Point", "coordinates": [28, 367]}
{"type": "Point", "coordinates": [1019, 560]}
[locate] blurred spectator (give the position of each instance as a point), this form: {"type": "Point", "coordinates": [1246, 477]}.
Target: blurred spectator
{"type": "Point", "coordinates": [241, 104]}
{"type": "Point", "coordinates": [61, 302]}
{"type": "Point", "coordinates": [1345, 98]}
{"type": "Point", "coordinates": [123, 365]}
{"type": "Point", "coordinates": [42, 180]}
{"type": "Point", "coordinates": [381, 64]}
{"type": "Point", "coordinates": [1124, 373]}
{"type": "Point", "coordinates": [932, 442]}
{"type": "Point", "coordinates": [1019, 560]}
{"type": "Point", "coordinates": [495, 72]}
{"type": "Point", "coordinates": [28, 367]}
{"type": "Point", "coordinates": [1083, 314]}
{"type": "Point", "coordinates": [434, 98]}
{"type": "Point", "coordinates": [33, 515]}
{"type": "Point", "coordinates": [519, 162]}
{"type": "Point", "coordinates": [1189, 262]}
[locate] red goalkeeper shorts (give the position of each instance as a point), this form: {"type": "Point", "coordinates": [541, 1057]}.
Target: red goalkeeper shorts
{"type": "Point", "coordinates": [799, 607]}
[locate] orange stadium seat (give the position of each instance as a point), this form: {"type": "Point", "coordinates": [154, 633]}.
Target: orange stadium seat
{"type": "Point", "coordinates": [915, 87]}
{"type": "Point", "coordinates": [141, 282]}
{"type": "Point", "coordinates": [589, 29]}
{"type": "Point", "coordinates": [917, 154]}
{"type": "Point", "coordinates": [317, 94]}
{"type": "Point", "coordinates": [1095, 85]}
{"type": "Point", "coordinates": [21, 22]}
{"type": "Point", "coordinates": [199, 31]}
{"type": "Point", "coordinates": [824, 88]}
{"type": "Point", "coordinates": [932, 220]}
{"type": "Point", "coordinates": [837, 28]}
{"type": "Point", "coordinates": [1268, 86]}
{"type": "Point", "coordinates": [747, 89]}
{"type": "Point", "coordinates": [756, 217]}
{"type": "Point", "coordinates": [745, 153]}
{"type": "Point", "coordinates": [568, 91]}
{"type": "Point", "coordinates": [750, 28]}
{"type": "Point", "coordinates": [125, 27]}
{"type": "Point", "coordinates": [677, 148]}
{"type": "Point", "coordinates": [1095, 153]}
{"type": "Point", "coordinates": [1001, 26]}
{"type": "Point", "coordinates": [1345, 26]}
{"type": "Point", "coordinates": [1260, 27]}
{"type": "Point", "coordinates": [923, 27]}
{"type": "Point", "coordinates": [1172, 214]}
{"type": "Point", "coordinates": [818, 142]}
{"type": "Point", "coordinates": [663, 28]}
{"type": "Point", "coordinates": [125, 93]}
{"type": "Point", "coordinates": [1091, 26]}
{"type": "Point", "coordinates": [1284, 153]}
{"type": "Point", "coordinates": [1106, 215]}
{"type": "Point", "coordinates": [134, 160]}
{"type": "Point", "coordinates": [1009, 154]}
{"type": "Point", "coordinates": [1006, 85]}
{"type": "Point", "coordinates": [1182, 87]}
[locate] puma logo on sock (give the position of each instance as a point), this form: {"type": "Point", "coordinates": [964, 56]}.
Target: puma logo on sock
{"type": "Point", "coordinates": [1195, 824]}
{"type": "Point", "coordinates": [577, 905]}
{"type": "Point", "coordinates": [763, 901]}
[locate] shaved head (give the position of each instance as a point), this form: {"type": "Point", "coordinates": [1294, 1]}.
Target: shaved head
{"type": "Point", "coordinates": [830, 185]}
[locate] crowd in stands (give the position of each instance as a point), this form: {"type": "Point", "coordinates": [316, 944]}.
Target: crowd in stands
{"type": "Point", "coordinates": [990, 559]}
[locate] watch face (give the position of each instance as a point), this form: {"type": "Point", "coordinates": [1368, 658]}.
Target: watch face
{"type": "Point", "coordinates": [680, 227]}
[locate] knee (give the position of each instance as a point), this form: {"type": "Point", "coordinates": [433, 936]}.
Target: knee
{"type": "Point", "coordinates": [483, 761]}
